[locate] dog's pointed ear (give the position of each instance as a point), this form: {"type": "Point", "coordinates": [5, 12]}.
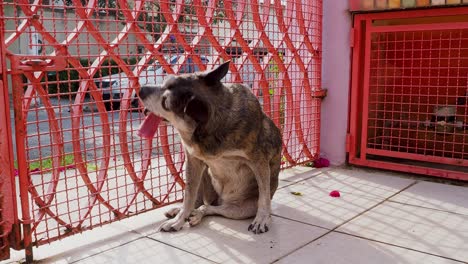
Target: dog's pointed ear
{"type": "Point", "coordinates": [214, 76]}
{"type": "Point", "coordinates": [197, 110]}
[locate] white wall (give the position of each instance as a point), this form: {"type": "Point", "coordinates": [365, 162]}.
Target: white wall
{"type": "Point", "coordinates": [335, 78]}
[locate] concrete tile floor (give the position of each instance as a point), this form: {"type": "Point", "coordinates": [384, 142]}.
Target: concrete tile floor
{"type": "Point", "coordinates": [381, 217]}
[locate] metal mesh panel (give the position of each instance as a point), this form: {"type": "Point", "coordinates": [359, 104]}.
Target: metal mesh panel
{"type": "Point", "coordinates": [77, 65]}
{"type": "Point", "coordinates": [414, 89]}
{"type": "Point", "coordinates": [418, 91]}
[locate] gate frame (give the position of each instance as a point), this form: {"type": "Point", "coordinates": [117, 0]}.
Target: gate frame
{"type": "Point", "coordinates": [10, 224]}
{"type": "Point", "coordinates": [356, 139]}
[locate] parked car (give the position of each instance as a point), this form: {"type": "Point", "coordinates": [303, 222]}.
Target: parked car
{"type": "Point", "coordinates": [113, 86]}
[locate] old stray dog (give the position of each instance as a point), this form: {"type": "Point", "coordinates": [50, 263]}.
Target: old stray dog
{"type": "Point", "coordinates": [233, 150]}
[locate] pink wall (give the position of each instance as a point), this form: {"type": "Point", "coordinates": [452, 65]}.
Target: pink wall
{"type": "Point", "coordinates": [335, 78]}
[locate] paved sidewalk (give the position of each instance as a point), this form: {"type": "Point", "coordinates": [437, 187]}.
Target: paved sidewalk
{"type": "Point", "coordinates": [381, 217]}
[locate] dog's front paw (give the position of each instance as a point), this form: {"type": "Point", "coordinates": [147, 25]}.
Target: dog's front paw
{"type": "Point", "coordinates": [260, 224]}
{"type": "Point", "coordinates": [172, 225]}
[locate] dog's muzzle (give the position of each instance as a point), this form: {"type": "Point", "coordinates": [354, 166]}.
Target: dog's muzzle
{"type": "Point", "coordinates": [145, 91]}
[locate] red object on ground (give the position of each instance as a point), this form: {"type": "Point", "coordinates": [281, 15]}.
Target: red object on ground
{"type": "Point", "coordinates": [335, 193]}
{"type": "Point", "coordinates": [321, 163]}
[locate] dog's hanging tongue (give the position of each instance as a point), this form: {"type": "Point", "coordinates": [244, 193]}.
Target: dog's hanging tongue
{"type": "Point", "coordinates": [149, 126]}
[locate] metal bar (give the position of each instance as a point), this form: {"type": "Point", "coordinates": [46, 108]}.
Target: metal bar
{"type": "Point", "coordinates": [366, 91]}
{"type": "Point", "coordinates": [20, 131]}
{"type": "Point", "coordinates": [354, 102]}
{"type": "Point", "coordinates": [419, 157]}
{"type": "Point", "coordinates": [9, 213]}
{"type": "Point", "coordinates": [428, 171]}
{"type": "Point", "coordinates": [433, 12]}
{"type": "Point", "coordinates": [420, 27]}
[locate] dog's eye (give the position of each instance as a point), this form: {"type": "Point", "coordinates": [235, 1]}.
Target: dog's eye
{"type": "Point", "coordinates": [163, 103]}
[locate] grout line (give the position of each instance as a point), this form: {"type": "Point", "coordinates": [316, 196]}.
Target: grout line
{"type": "Point", "coordinates": [294, 182]}
{"type": "Point", "coordinates": [347, 221]}
{"type": "Point", "coordinates": [301, 222]}
{"type": "Point", "coordinates": [394, 245]}
{"type": "Point", "coordinates": [184, 250]}
{"type": "Point", "coordinates": [429, 208]}
{"type": "Point", "coordinates": [98, 253]}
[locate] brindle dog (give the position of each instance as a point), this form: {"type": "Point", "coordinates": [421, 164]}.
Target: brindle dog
{"type": "Point", "coordinates": [233, 150]}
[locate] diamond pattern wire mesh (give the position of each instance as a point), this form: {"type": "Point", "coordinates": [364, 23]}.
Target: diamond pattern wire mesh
{"type": "Point", "coordinates": [83, 161]}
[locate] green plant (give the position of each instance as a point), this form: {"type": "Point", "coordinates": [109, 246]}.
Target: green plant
{"type": "Point", "coordinates": [47, 163]}
{"type": "Point", "coordinates": [274, 70]}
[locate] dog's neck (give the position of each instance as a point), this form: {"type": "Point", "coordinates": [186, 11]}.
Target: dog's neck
{"type": "Point", "coordinates": [207, 138]}
{"type": "Point", "coordinates": [211, 135]}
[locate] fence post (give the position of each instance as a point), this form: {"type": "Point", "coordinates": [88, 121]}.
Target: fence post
{"type": "Point", "coordinates": [20, 129]}
{"type": "Point", "coordinates": [10, 234]}
{"type": "Point", "coordinates": [5, 155]}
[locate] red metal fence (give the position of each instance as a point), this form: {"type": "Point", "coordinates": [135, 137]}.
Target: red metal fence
{"type": "Point", "coordinates": [74, 67]}
{"type": "Point", "coordinates": [8, 215]}
{"type": "Point", "coordinates": [410, 92]}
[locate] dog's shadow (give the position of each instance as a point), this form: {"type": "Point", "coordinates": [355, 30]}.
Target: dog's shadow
{"type": "Point", "coordinates": [225, 240]}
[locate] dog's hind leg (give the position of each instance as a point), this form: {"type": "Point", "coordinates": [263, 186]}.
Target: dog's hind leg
{"type": "Point", "coordinates": [171, 213]}
{"type": "Point", "coordinates": [244, 210]}
{"type": "Point", "coordinates": [206, 195]}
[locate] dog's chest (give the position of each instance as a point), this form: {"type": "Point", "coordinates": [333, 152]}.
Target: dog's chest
{"type": "Point", "coordinates": [231, 177]}
{"type": "Point", "coordinates": [224, 170]}
{"type": "Point", "coordinates": [230, 174]}
{"type": "Point", "coordinates": [227, 163]}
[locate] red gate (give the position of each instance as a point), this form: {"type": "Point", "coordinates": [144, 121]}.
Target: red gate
{"type": "Point", "coordinates": [75, 67]}
{"type": "Point", "coordinates": [8, 211]}
{"type": "Point", "coordinates": [410, 83]}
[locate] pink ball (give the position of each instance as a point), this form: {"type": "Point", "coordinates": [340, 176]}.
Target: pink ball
{"type": "Point", "coordinates": [335, 193]}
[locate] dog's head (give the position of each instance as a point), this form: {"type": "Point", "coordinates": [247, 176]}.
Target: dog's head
{"type": "Point", "coordinates": [185, 100]}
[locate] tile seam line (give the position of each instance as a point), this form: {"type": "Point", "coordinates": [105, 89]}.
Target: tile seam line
{"type": "Point", "coordinates": [301, 222]}
{"type": "Point", "coordinates": [347, 221]}
{"type": "Point", "coordinates": [429, 208]}
{"type": "Point", "coordinates": [330, 229]}
{"type": "Point", "coordinates": [394, 245]}
{"type": "Point", "coordinates": [93, 255]}
{"type": "Point", "coordinates": [176, 247]}
{"type": "Point", "coordinates": [301, 180]}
